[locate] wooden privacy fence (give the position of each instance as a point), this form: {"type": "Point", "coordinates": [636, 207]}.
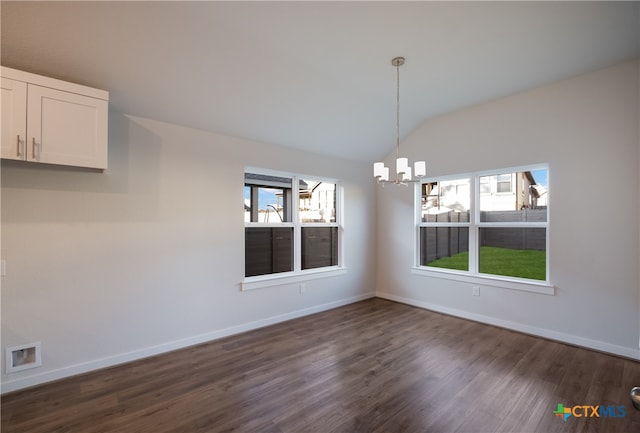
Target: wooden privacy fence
{"type": "Point", "coordinates": [439, 242]}
{"type": "Point", "coordinates": [269, 250]}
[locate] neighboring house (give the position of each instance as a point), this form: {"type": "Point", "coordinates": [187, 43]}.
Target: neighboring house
{"type": "Point", "coordinates": [508, 191]}
{"type": "Point", "coordinates": [317, 203]}
{"type": "Point", "coordinates": [499, 192]}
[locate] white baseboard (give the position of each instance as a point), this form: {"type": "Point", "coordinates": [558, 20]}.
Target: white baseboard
{"type": "Point", "coordinates": [48, 376]}
{"type": "Point", "coordinates": [600, 346]}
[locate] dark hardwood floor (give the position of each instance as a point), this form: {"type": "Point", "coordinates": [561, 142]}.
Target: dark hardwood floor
{"type": "Point", "coordinates": [373, 366]}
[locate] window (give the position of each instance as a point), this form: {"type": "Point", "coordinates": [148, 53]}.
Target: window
{"type": "Point", "coordinates": [444, 232]}
{"type": "Point", "coordinates": [292, 224]}
{"type": "Point", "coordinates": [268, 233]}
{"type": "Point", "coordinates": [319, 230]}
{"type": "Point", "coordinates": [503, 182]}
{"type": "Point", "coordinates": [491, 225]}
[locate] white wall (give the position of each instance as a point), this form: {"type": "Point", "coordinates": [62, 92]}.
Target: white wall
{"type": "Point", "coordinates": [587, 129]}
{"type": "Point", "coordinates": [108, 267]}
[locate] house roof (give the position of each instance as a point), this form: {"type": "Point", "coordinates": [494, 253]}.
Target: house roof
{"type": "Point", "coordinates": [313, 75]}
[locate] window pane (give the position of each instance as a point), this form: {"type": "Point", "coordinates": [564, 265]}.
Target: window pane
{"type": "Point", "coordinates": [445, 247]}
{"type": "Point", "coordinates": [319, 247]}
{"type": "Point", "coordinates": [446, 197]}
{"type": "Point", "coordinates": [527, 202]}
{"type": "Point", "coordinates": [514, 252]}
{"type": "Point", "coordinates": [268, 250]}
{"type": "Point", "coordinates": [271, 205]}
{"type": "Point", "coordinates": [267, 199]}
{"type": "Point", "coordinates": [317, 201]}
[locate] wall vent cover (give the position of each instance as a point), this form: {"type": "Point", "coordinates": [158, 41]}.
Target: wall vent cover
{"type": "Point", "coordinates": [22, 357]}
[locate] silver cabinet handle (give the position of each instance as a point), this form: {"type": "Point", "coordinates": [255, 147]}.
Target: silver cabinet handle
{"type": "Point", "coordinates": [35, 146]}
{"type": "Point", "coordinates": [18, 153]}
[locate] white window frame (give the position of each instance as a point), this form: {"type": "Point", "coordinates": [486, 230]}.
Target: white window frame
{"type": "Point", "coordinates": [473, 276]}
{"type": "Point", "coordinates": [298, 275]}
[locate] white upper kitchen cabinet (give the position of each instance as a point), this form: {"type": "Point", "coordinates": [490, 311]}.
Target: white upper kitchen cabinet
{"type": "Point", "coordinates": [51, 121]}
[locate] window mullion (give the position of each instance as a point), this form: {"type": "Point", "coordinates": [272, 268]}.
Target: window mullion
{"type": "Point", "coordinates": [297, 231]}
{"type": "Point", "coordinates": [473, 229]}
{"type": "Point", "coordinates": [516, 224]}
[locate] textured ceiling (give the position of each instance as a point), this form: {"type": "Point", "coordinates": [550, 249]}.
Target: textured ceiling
{"type": "Point", "coordinates": [313, 75]}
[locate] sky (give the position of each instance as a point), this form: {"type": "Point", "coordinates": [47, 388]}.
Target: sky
{"type": "Point", "coordinates": [266, 196]}
{"type": "Point", "coordinates": [541, 177]}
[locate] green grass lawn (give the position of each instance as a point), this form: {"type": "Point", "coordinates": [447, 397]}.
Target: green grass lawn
{"type": "Point", "coordinates": [500, 261]}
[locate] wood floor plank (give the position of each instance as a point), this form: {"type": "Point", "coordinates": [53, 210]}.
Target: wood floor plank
{"type": "Point", "coordinates": [373, 366]}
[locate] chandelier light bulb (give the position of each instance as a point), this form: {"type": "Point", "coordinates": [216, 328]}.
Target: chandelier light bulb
{"type": "Point", "coordinates": [402, 164]}
{"type": "Point", "coordinates": [407, 174]}
{"type": "Point", "coordinates": [378, 169]}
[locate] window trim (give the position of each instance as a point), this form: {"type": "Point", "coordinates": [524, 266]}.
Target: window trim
{"type": "Point", "coordinates": [293, 277]}
{"type": "Point", "coordinates": [488, 280]}
{"type": "Point", "coordinates": [472, 275]}
{"type": "Point", "coordinates": [299, 275]}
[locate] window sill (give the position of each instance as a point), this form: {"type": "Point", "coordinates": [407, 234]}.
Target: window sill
{"type": "Point", "coordinates": [541, 287]}
{"type": "Point", "coordinates": [261, 281]}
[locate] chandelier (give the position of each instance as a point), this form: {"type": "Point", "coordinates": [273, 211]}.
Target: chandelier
{"type": "Point", "coordinates": [404, 173]}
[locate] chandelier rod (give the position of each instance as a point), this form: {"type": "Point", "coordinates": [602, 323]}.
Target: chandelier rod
{"type": "Point", "coordinates": [397, 62]}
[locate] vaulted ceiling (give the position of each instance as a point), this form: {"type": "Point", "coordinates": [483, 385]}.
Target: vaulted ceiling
{"type": "Point", "coordinates": [313, 75]}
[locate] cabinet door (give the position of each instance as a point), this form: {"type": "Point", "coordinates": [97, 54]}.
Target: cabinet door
{"type": "Point", "coordinates": [66, 128]}
{"type": "Point", "coordinates": [14, 119]}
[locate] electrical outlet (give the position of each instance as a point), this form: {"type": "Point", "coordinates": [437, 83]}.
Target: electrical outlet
{"type": "Point", "coordinates": [475, 290]}
{"type": "Point", "coordinates": [302, 287]}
